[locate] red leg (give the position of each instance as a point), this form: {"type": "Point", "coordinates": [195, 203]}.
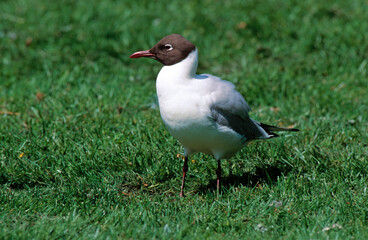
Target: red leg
{"type": "Point", "coordinates": [185, 170]}
{"type": "Point", "coordinates": [218, 172]}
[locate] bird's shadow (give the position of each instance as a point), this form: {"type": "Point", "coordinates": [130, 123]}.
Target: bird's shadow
{"type": "Point", "coordinates": [268, 175]}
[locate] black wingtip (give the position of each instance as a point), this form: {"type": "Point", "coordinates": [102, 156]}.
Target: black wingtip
{"type": "Point", "coordinates": [294, 130]}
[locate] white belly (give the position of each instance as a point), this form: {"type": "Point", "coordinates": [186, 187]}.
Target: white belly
{"type": "Point", "coordinates": [195, 129]}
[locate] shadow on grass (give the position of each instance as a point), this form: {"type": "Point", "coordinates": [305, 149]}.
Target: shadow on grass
{"type": "Point", "coordinates": [268, 175]}
{"type": "Point", "coordinates": [20, 184]}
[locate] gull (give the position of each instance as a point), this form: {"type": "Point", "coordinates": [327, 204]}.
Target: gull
{"type": "Point", "coordinates": [203, 112]}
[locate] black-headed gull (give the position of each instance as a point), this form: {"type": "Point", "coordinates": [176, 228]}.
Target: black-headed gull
{"type": "Point", "coordinates": [205, 113]}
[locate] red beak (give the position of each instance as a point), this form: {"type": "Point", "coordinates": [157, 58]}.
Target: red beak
{"type": "Point", "coordinates": [139, 54]}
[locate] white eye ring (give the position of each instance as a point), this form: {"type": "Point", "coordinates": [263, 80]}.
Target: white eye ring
{"type": "Point", "coordinates": [168, 47]}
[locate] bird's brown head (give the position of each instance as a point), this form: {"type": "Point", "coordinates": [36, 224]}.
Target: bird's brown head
{"type": "Point", "coordinates": [170, 50]}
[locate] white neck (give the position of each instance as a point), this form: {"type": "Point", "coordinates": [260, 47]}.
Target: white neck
{"type": "Point", "coordinates": [186, 69]}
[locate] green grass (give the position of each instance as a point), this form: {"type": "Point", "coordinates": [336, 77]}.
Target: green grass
{"type": "Point", "coordinates": [84, 153]}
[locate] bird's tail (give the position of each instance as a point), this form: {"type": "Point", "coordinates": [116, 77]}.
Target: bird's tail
{"type": "Point", "coordinates": [271, 129]}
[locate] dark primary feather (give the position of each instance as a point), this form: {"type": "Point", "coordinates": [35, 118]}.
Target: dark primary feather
{"type": "Point", "coordinates": [244, 125]}
{"type": "Point", "coordinates": [271, 129]}
{"type": "Point", "coordinates": [274, 128]}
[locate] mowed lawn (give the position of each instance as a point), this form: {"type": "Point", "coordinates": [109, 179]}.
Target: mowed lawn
{"type": "Point", "coordinates": [84, 153]}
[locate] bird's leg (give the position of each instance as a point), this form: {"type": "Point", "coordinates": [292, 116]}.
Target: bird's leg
{"type": "Point", "coordinates": [185, 170]}
{"type": "Point", "coordinates": [218, 172]}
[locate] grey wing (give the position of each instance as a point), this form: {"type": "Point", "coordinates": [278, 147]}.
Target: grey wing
{"type": "Point", "coordinates": [233, 113]}
{"type": "Point", "coordinates": [247, 127]}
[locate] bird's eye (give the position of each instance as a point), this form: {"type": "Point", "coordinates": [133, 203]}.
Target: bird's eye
{"type": "Point", "coordinates": [168, 47]}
